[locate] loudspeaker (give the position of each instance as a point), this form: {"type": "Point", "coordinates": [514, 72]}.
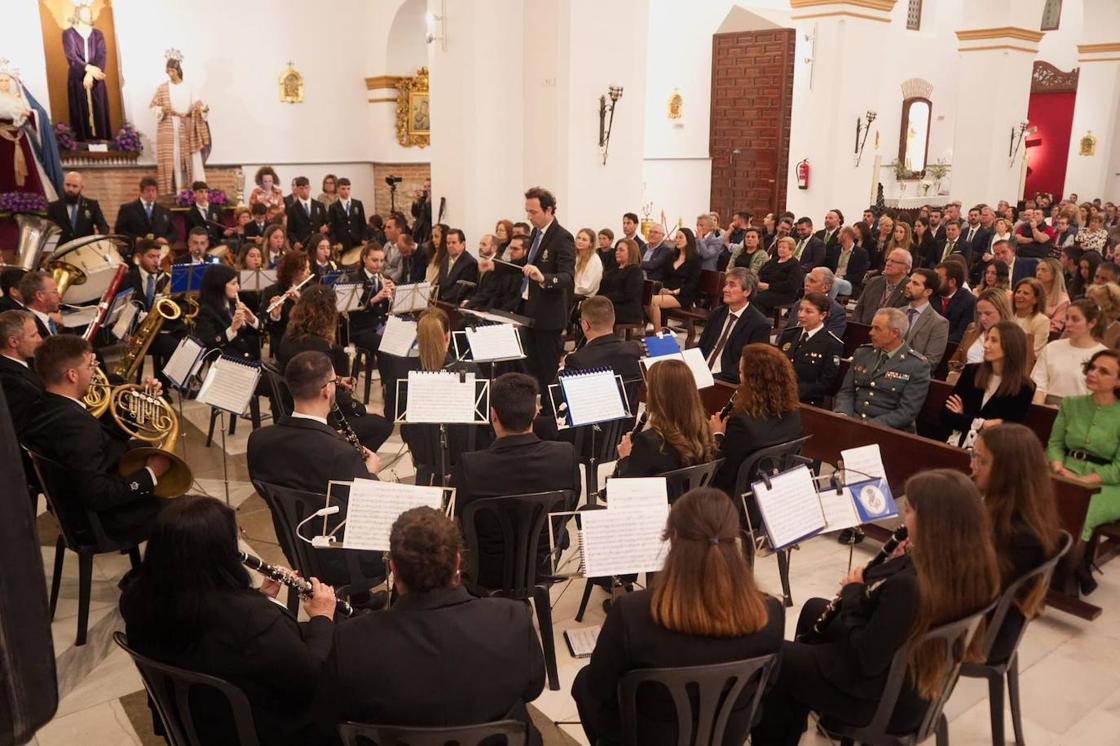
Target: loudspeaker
{"type": "Point", "coordinates": [28, 687]}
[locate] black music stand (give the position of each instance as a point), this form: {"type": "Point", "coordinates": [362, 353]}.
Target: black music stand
{"type": "Point", "coordinates": [481, 414]}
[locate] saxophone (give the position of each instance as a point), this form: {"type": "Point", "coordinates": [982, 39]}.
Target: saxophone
{"type": "Point", "coordinates": [164, 309]}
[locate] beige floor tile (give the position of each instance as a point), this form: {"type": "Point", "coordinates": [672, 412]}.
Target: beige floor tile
{"type": "Point", "coordinates": [104, 724]}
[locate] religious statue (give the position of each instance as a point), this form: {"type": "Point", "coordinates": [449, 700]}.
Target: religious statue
{"type": "Point", "coordinates": [183, 135]}
{"type": "Point", "coordinates": [29, 160]}
{"type": "Point", "coordinates": [86, 56]}
{"type": "Point", "coordinates": [1087, 145]}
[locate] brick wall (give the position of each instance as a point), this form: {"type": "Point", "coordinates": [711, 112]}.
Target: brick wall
{"type": "Point", "coordinates": [112, 186]}
{"type": "Point", "coordinates": [413, 175]}
{"type": "Point", "coordinates": [752, 90]}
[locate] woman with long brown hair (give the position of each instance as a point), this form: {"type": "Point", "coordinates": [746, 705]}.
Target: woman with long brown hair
{"type": "Point", "coordinates": [1029, 304]}
{"type": "Point", "coordinates": [677, 435]}
{"type": "Point", "coordinates": [589, 267]}
{"type": "Point", "coordinates": [435, 250]}
{"type": "Point", "coordinates": [1009, 466]}
{"type": "Point", "coordinates": [682, 279]}
{"type": "Point", "coordinates": [274, 245]}
{"type": "Point", "coordinates": [705, 608]}
{"type": "Point", "coordinates": [294, 268]}
{"type": "Point", "coordinates": [948, 571]}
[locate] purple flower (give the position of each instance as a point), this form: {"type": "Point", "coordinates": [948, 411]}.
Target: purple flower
{"type": "Point", "coordinates": [65, 136]}
{"type": "Point", "coordinates": [127, 140]}
{"type": "Point", "coordinates": [20, 202]}
{"type": "Point", "coordinates": [184, 198]}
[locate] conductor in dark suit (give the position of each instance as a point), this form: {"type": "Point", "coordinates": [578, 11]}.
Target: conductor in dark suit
{"type": "Point", "coordinates": [19, 338]}
{"type": "Point", "coordinates": [62, 430]}
{"type": "Point", "coordinates": [458, 270]}
{"type": "Point", "coordinates": [516, 463]}
{"type": "Point", "coordinates": [733, 325]}
{"type": "Point", "coordinates": [305, 215]}
{"type": "Point", "coordinates": [347, 218]}
{"type": "Point", "coordinates": [603, 349]}
{"type": "Point", "coordinates": [76, 215]}
{"type": "Point", "coordinates": [440, 656]}
{"type": "Point", "coordinates": [143, 218]}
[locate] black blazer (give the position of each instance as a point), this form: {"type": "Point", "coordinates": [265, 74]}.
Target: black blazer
{"type": "Point", "coordinates": [814, 253]}
{"type": "Point", "coordinates": [624, 289]}
{"type": "Point", "coordinates": [927, 253]}
{"type": "Point", "coordinates": [319, 272]}
{"type": "Point", "coordinates": [300, 225]}
{"type": "Point", "coordinates": [135, 282]}
{"type": "Point", "coordinates": [685, 278]}
{"type": "Point", "coordinates": [630, 640]}
{"type": "Point", "coordinates": [547, 303]}
{"type": "Point", "coordinates": [751, 327]}
{"type": "Point", "coordinates": [252, 230]}
{"type": "Point", "coordinates": [815, 361]}
{"type": "Point", "coordinates": [619, 355]}
{"type": "Point", "coordinates": [302, 454]}
{"type": "Point", "coordinates": [441, 658]}
{"type": "Point", "coordinates": [650, 456]}
{"type": "Point", "coordinates": [744, 436]}
{"type": "Point", "coordinates": [1024, 553]}
{"type": "Point", "coordinates": [465, 269]}
{"type": "Point", "coordinates": [960, 313]}
{"type": "Point", "coordinates": [8, 303]}
{"type": "Point", "coordinates": [496, 291]}
{"type": "Point", "coordinates": [832, 245]}
{"type": "Point", "coordinates": [1007, 408]}
{"type": "Point", "coordinates": [858, 264]}
{"type": "Point", "coordinates": [370, 317]}
{"type": "Point", "coordinates": [785, 279]}
{"type": "Point", "coordinates": [194, 219]}
{"type": "Point", "coordinates": [62, 430]}
{"type": "Point", "coordinates": [210, 327]}
{"type": "Point", "coordinates": [132, 221]}
{"type": "Point", "coordinates": [90, 219]}
{"type": "Point", "coordinates": [22, 389]}
{"type": "Point", "coordinates": [257, 646]}
{"type": "Point", "coordinates": [979, 243]}
{"type": "Point", "coordinates": [348, 230]}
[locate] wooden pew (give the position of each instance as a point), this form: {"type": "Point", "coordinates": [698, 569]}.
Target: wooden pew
{"type": "Point", "coordinates": [709, 295]}
{"type": "Point", "coordinates": [1040, 417]}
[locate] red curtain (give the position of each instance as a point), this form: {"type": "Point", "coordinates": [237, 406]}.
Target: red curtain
{"type": "Point", "coordinates": [1052, 113]}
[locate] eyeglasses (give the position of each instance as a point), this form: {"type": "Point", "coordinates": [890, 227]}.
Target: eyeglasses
{"type": "Point", "coordinates": [328, 383]}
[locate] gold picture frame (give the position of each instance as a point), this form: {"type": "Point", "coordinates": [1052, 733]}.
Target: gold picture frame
{"type": "Point", "coordinates": [291, 86]}
{"type": "Point", "coordinates": [413, 116]}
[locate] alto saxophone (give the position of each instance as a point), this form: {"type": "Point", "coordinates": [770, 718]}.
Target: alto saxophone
{"type": "Point", "coordinates": [132, 358]}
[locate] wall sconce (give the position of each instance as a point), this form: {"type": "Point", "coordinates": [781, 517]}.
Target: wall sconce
{"type": "Point", "coordinates": [1016, 140]}
{"type": "Point", "coordinates": [864, 126]}
{"type": "Point", "coordinates": [605, 123]}
{"type": "Point", "coordinates": [432, 21]}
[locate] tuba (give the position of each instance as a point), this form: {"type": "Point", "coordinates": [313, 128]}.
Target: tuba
{"type": "Point", "coordinates": [132, 358]}
{"type": "Point", "coordinates": [149, 418]}
{"type": "Point", "coordinates": [35, 236]}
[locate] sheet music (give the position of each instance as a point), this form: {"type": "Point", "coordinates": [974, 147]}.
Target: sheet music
{"type": "Point", "coordinates": [636, 492]}
{"type": "Point", "coordinates": [123, 324]}
{"type": "Point", "coordinates": [256, 280]}
{"type": "Point", "coordinates": [374, 506]}
{"type": "Point", "coordinates": [399, 336]}
{"type": "Point", "coordinates": [592, 397]}
{"type": "Point", "coordinates": [790, 507]}
{"type": "Point", "coordinates": [864, 462]}
{"type": "Point", "coordinates": [839, 512]}
{"type": "Point", "coordinates": [81, 317]}
{"type": "Point", "coordinates": [494, 342]}
{"type": "Point", "coordinates": [618, 542]}
{"type": "Point", "coordinates": [414, 297]}
{"type": "Point", "coordinates": [348, 296]}
{"type": "Point", "coordinates": [184, 362]}
{"type": "Point", "coordinates": [440, 396]}
{"type": "Point", "coordinates": [694, 359]}
{"type": "Point", "coordinates": [229, 385]}
{"type": "Point", "coordinates": [581, 640]}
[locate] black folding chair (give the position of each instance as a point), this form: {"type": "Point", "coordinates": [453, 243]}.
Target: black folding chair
{"type": "Point", "coordinates": [680, 481]}
{"type": "Point", "coordinates": [596, 445]}
{"type": "Point", "coordinates": [279, 398]}
{"type": "Point", "coordinates": [511, 733]}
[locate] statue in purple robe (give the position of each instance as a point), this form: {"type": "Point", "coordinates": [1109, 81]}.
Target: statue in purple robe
{"type": "Point", "coordinates": [86, 57]}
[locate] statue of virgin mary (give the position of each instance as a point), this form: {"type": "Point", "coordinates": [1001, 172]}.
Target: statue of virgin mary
{"type": "Point", "coordinates": [29, 160]}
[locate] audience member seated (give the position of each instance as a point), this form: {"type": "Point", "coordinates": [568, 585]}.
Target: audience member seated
{"type": "Point", "coordinates": [658, 254]}
{"type": "Point", "coordinates": [779, 282]}
{"type": "Point", "coordinates": [880, 243]}
{"type": "Point", "coordinates": [765, 412]}
{"type": "Point", "coordinates": [224, 322]}
{"type": "Point", "coordinates": [903, 238]}
{"type": "Point", "coordinates": [928, 332]}
{"type": "Point", "coordinates": [1029, 304]}
{"type": "Point", "coordinates": [995, 277]}
{"type": "Point", "coordinates": [808, 250]}
{"type": "Point", "coordinates": [1009, 467]}
{"type": "Point", "coordinates": [458, 269]}
{"type": "Point", "coordinates": [294, 268]}
{"type": "Point", "coordinates": [1049, 273]}
{"type": "Point", "coordinates": [1093, 236]}
{"type": "Point", "coordinates": [605, 249]}
{"type": "Point", "coordinates": [1059, 371]}
{"type": "Point", "coordinates": [813, 350]}
{"type": "Point", "coordinates": [603, 349]}
{"type": "Point", "coordinates": [589, 268]}
{"type": "Point", "coordinates": [500, 291]}
{"type": "Point", "coordinates": [925, 249]}
{"type": "Point", "coordinates": [1018, 267]}
{"type": "Point", "coordinates": [623, 286]}
{"type": "Point", "coordinates": [887, 382]}
{"type": "Point", "coordinates": [1107, 297]}
{"type": "Point", "coordinates": [952, 301]}
{"type": "Point", "coordinates": [995, 391]}
{"type": "Point", "coordinates": [948, 572]}
{"type": "Point", "coordinates": [191, 605]}
{"type": "Point", "coordinates": [677, 434]}
{"type": "Point", "coordinates": [1085, 446]}
{"type": "Point", "coordinates": [1087, 265]}
{"type": "Point", "coordinates": [888, 289]}
{"type": "Point", "coordinates": [992, 306]}
{"type": "Point", "coordinates": [822, 280]}
{"type": "Point", "coordinates": [709, 244]}
{"type": "Point", "coordinates": [704, 609]}
{"type": "Point", "coordinates": [516, 463]}
{"type": "Point", "coordinates": [735, 324]}
{"type": "Point", "coordinates": [61, 429]}
{"type": "Point", "coordinates": [852, 262]}
{"type": "Point", "coordinates": [682, 278]}
{"type": "Point", "coordinates": [441, 657]}
{"type": "Point", "coordinates": [19, 338]}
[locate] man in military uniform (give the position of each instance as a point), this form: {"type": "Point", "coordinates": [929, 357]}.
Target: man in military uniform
{"type": "Point", "coordinates": [814, 351]}
{"type": "Point", "coordinates": [887, 382]}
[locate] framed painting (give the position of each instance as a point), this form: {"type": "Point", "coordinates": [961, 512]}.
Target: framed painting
{"type": "Point", "coordinates": [413, 115]}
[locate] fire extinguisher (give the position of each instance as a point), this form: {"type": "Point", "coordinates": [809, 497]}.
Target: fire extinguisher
{"type": "Point", "coordinates": [803, 174]}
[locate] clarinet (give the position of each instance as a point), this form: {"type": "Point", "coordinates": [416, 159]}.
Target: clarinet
{"type": "Point", "coordinates": [347, 432]}
{"type": "Point", "coordinates": [726, 411]}
{"type": "Point", "coordinates": [833, 607]}
{"type": "Point", "coordinates": [286, 577]}
{"type": "Point", "coordinates": [633, 434]}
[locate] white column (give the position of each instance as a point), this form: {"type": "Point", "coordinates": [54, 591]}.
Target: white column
{"type": "Point", "coordinates": [1097, 109]}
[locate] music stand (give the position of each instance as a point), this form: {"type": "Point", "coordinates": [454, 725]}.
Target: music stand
{"type": "Point", "coordinates": [187, 278]}
{"type": "Point", "coordinates": [223, 398]}
{"type": "Point", "coordinates": [339, 491]}
{"type": "Point", "coordinates": [480, 414]}
{"type": "Point", "coordinates": [413, 297]}
{"type": "Point", "coordinates": [593, 462]}
{"type": "Point", "coordinates": [464, 350]}
{"type": "Point", "coordinates": [255, 280]}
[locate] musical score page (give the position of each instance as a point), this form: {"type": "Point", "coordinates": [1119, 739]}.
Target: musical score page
{"type": "Point", "coordinates": [399, 336]}
{"type": "Point", "coordinates": [494, 342]}
{"type": "Point", "coordinates": [581, 640]}
{"type": "Point", "coordinates": [790, 507]}
{"type": "Point", "coordinates": [619, 542]}
{"type": "Point", "coordinates": [839, 512]}
{"type": "Point", "coordinates": [592, 397]}
{"type": "Point", "coordinates": [865, 462]}
{"type": "Point", "coordinates": [184, 362]}
{"type": "Point", "coordinates": [374, 506]}
{"type": "Point", "coordinates": [440, 396]}
{"type": "Point", "coordinates": [694, 358]}
{"type": "Point", "coordinates": [636, 492]}
{"type": "Point", "coordinates": [123, 324]}
{"type": "Point", "coordinates": [414, 297]}
{"type": "Point", "coordinates": [229, 385]}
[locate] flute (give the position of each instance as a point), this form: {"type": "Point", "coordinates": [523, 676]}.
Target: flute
{"type": "Point", "coordinates": [277, 302]}
{"type": "Point", "coordinates": [288, 578]}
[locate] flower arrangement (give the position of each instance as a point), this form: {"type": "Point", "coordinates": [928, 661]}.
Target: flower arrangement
{"type": "Point", "coordinates": [938, 170]}
{"type": "Point", "coordinates": [185, 198]}
{"type": "Point", "coordinates": [127, 140]}
{"type": "Point", "coordinates": [903, 173]}
{"type": "Point", "coordinates": [23, 202]}
{"type": "Point", "coordinates": [65, 136]}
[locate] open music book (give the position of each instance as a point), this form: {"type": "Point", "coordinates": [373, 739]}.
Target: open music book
{"type": "Point", "coordinates": [440, 396]}
{"type": "Point", "coordinates": [494, 342]}
{"type": "Point", "coordinates": [581, 640]}
{"type": "Point", "coordinates": [399, 336]}
{"type": "Point", "coordinates": [592, 396]}
{"type": "Point", "coordinates": [230, 384]}
{"type": "Point", "coordinates": [623, 541]}
{"type": "Point", "coordinates": [184, 362]}
{"type": "Point", "coordinates": [790, 507]}
{"type": "Point", "coordinates": [374, 506]}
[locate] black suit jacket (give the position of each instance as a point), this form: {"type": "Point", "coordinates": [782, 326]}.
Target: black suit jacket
{"type": "Point", "coordinates": [90, 219]}
{"type": "Point", "coordinates": [1007, 408]}
{"type": "Point", "coordinates": [496, 291]}
{"type": "Point", "coordinates": [619, 355]}
{"type": "Point", "coordinates": [441, 658]}
{"type": "Point", "coordinates": [624, 289]}
{"type": "Point", "coordinates": [132, 221]}
{"type": "Point", "coordinates": [465, 269]}
{"type": "Point", "coordinates": [252, 230]}
{"type": "Point", "coordinates": [211, 325]}
{"type": "Point", "coordinates": [194, 219]}
{"type": "Point", "coordinates": [979, 243]}
{"type": "Point", "coordinates": [22, 388]}
{"type": "Point", "coordinates": [751, 327]}
{"type": "Point", "coordinates": [300, 225]}
{"type": "Point", "coordinates": [745, 435]}
{"type": "Point", "coordinates": [814, 253]}
{"type": "Point", "coordinates": [8, 303]}
{"type": "Point", "coordinates": [831, 247]}
{"type": "Point", "coordinates": [548, 301]}
{"type": "Point", "coordinates": [961, 312]}
{"type": "Point", "coordinates": [348, 230]}
{"type": "Point", "coordinates": [858, 264]}
{"type": "Point", "coordinates": [650, 456]}
{"type": "Point", "coordinates": [135, 282]}
{"type": "Point", "coordinates": [302, 454]}
{"type": "Point", "coordinates": [62, 430]}
{"type": "Point", "coordinates": [370, 317]}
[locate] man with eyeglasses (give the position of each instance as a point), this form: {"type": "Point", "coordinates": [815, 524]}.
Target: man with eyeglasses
{"type": "Point", "coordinates": [887, 290]}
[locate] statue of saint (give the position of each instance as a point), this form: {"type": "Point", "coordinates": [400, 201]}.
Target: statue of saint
{"type": "Point", "coordinates": [86, 56]}
{"type": "Point", "coordinates": [29, 159]}
{"type": "Point", "coordinates": [183, 135]}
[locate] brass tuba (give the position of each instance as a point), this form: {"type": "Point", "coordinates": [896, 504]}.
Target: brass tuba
{"type": "Point", "coordinates": [35, 236]}
{"type": "Point", "coordinates": [147, 417]}
{"type": "Point", "coordinates": [164, 309]}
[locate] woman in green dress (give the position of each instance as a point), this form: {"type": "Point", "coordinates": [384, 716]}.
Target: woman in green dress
{"type": "Point", "coordinates": [1085, 446]}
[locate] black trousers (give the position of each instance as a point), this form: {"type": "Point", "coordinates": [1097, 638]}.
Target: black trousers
{"type": "Point", "coordinates": [542, 355]}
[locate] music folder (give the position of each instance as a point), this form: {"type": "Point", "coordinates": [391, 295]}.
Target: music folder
{"type": "Point", "coordinates": [187, 278]}
{"type": "Point", "coordinates": [184, 362]}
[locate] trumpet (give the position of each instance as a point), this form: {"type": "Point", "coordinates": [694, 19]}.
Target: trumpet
{"type": "Point", "coordinates": [279, 300]}
{"type": "Point", "coordinates": [290, 579]}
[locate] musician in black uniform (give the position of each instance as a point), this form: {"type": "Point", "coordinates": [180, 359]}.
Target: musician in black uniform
{"type": "Point", "coordinates": [254, 229]}
{"type": "Point", "coordinates": [306, 216]}
{"type": "Point", "coordinates": [366, 326]}
{"type": "Point", "coordinates": [814, 351]}
{"type": "Point", "coordinates": [458, 270]}
{"type": "Point", "coordinates": [224, 322]}
{"type": "Point", "coordinates": [347, 218]}
{"type": "Point", "coordinates": [74, 214]}
{"type": "Point", "coordinates": [148, 283]}
{"type": "Point", "coordinates": [603, 348]}
{"type": "Point", "coordinates": [61, 429]}
{"type": "Point", "coordinates": [293, 269]}
{"type": "Point", "coordinates": [143, 218]}
{"type": "Point", "coordinates": [204, 215]}
{"type": "Point", "coordinates": [19, 338]}
{"type": "Point", "coordinates": [9, 284]}
{"type": "Point", "coordinates": [949, 573]}
{"type": "Point", "coordinates": [319, 250]}
{"type": "Point", "coordinates": [500, 289]}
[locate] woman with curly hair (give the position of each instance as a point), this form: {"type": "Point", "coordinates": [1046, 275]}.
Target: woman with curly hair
{"type": "Point", "coordinates": [294, 268]}
{"type": "Point", "coordinates": [1107, 298]}
{"type": "Point", "coordinates": [267, 190]}
{"type": "Point", "coordinates": [678, 435]}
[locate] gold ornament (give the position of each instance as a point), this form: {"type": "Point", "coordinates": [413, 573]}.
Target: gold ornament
{"type": "Point", "coordinates": [414, 125]}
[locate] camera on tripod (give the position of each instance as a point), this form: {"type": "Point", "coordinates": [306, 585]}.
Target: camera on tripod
{"type": "Point", "coordinates": [392, 181]}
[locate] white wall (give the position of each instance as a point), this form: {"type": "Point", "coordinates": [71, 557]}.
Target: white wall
{"type": "Point", "coordinates": [393, 40]}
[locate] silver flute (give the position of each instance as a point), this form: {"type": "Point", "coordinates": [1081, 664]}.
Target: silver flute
{"type": "Point", "coordinates": [279, 300]}
{"type": "Point", "coordinates": [290, 579]}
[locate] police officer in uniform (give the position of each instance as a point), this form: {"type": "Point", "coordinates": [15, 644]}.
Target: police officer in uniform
{"type": "Point", "coordinates": [887, 382]}
{"type": "Point", "coordinates": [814, 351]}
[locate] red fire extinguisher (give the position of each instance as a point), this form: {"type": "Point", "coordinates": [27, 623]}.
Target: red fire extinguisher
{"type": "Point", "coordinates": [803, 174]}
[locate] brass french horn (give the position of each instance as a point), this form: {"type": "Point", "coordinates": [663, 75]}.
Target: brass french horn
{"type": "Point", "coordinates": [147, 417]}
{"type": "Point", "coordinates": [99, 394]}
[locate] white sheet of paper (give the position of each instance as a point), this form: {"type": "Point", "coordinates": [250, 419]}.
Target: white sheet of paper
{"type": "Point", "coordinates": [399, 336]}
{"type": "Point", "coordinates": [257, 279]}
{"type": "Point", "coordinates": [123, 325]}
{"type": "Point", "coordinates": [494, 342]}
{"type": "Point", "coordinates": [694, 359]}
{"type": "Point", "coordinates": [184, 362]}
{"type": "Point", "coordinates": [414, 297]}
{"type": "Point", "coordinates": [839, 512]}
{"type": "Point", "coordinates": [229, 385]}
{"type": "Point", "coordinates": [81, 317]}
{"type": "Point", "coordinates": [581, 640]}
{"type": "Point", "coordinates": [863, 463]}
{"type": "Point", "coordinates": [440, 397]}
{"type": "Point", "coordinates": [374, 506]}
{"type": "Point", "coordinates": [618, 542]}
{"type": "Point", "coordinates": [636, 492]}
{"type": "Point", "coordinates": [592, 397]}
{"type": "Point", "coordinates": [790, 506]}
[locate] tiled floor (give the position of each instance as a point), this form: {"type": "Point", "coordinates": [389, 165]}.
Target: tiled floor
{"type": "Point", "coordinates": [1070, 669]}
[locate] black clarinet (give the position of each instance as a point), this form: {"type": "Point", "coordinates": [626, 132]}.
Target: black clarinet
{"type": "Point", "coordinates": [726, 411]}
{"type": "Point", "coordinates": [833, 607]}
{"type": "Point", "coordinates": [633, 434]}
{"type": "Point", "coordinates": [286, 577]}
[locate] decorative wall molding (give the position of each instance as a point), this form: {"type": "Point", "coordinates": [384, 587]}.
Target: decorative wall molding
{"type": "Point", "coordinates": [382, 82]}
{"type": "Point", "coordinates": [868, 10]}
{"type": "Point", "coordinates": [1048, 79]}
{"type": "Point", "coordinates": [917, 88]}
{"type": "Point", "coordinates": [883, 5]}
{"type": "Point", "coordinates": [1001, 33]}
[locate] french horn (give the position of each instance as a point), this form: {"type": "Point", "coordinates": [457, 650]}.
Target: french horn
{"type": "Point", "coordinates": [150, 418]}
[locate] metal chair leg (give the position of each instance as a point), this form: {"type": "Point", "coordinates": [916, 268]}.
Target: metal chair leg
{"type": "Point", "coordinates": [56, 577]}
{"type": "Point", "coordinates": [783, 573]}
{"type": "Point", "coordinates": [942, 731]}
{"type": "Point", "coordinates": [995, 706]}
{"type": "Point", "coordinates": [587, 586]}
{"type": "Point", "coordinates": [1013, 700]}
{"type": "Point", "coordinates": [213, 423]}
{"type": "Point", "coordinates": [85, 583]}
{"type": "Point", "coordinates": [544, 620]}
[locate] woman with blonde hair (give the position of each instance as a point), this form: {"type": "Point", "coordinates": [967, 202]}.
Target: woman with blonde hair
{"type": "Point", "coordinates": [589, 267]}
{"type": "Point", "coordinates": [992, 307]}
{"type": "Point", "coordinates": [677, 433]}
{"type": "Point", "coordinates": [1029, 303]}
{"type": "Point", "coordinates": [433, 339]}
{"type": "Point", "coordinates": [902, 237]}
{"type": "Point", "coordinates": [1107, 298]}
{"type": "Point", "coordinates": [1049, 273]}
